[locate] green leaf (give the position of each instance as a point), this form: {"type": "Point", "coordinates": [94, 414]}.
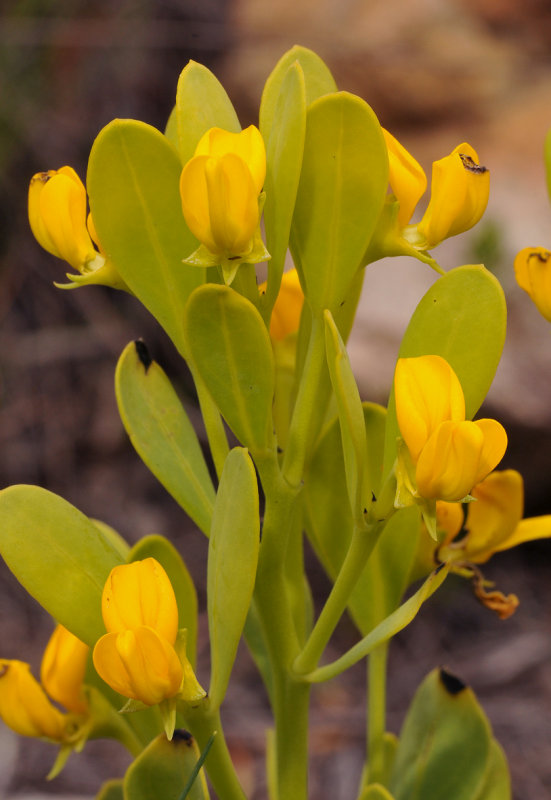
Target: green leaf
{"type": "Point", "coordinates": [317, 79]}
{"type": "Point", "coordinates": [171, 130]}
{"type": "Point", "coordinates": [445, 743]}
{"type": "Point", "coordinates": [162, 434]}
{"type": "Point", "coordinates": [497, 781]}
{"type": "Point", "coordinates": [232, 561]}
{"type": "Point", "coordinates": [462, 318]}
{"type": "Point", "coordinates": [111, 790]}
{"type": "Point", "coordinates": [375, 792]}
{"type": "Point", "coordinates": [201, 104]}
{"type": "Point", "coordinates": [60, 556]}
{"type": "Point", "coordinates": [388, 628]}
{"type": "Point", "coordinates": [160, 548]}
{"type": "Point", "coordinates": [284, 149]}
{"type": "Point", "coordinates": [351, 418]}
{"type": "Point", "coordinates": [163, 769]}
{"type": "Point", "coordinates": [342, 188]}
{"type": "Point", "coordinates": [386, 575]}
{"type": "Point", "coordinates": [232, 352]}
{"type": "Point", "coordinates": [133, 185]}
{"type": "Point", "coordinates": [120, 544]}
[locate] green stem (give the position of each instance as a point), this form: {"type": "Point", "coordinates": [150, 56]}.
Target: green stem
{"type": "Point", "coordinates": [361, 547]}
{"type": "Point", "coordinates": [300, 427]}
{"type": "Point", "coordinates": [291, 718]}
{"type": "Point", "coordinates": [203, 723]}
{"type": "Point", "coordinates": [245, 283]}
{"type": "Point", "coordinates": [376, 713]}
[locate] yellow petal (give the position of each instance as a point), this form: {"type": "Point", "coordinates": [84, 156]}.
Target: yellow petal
{"type": "Point", "coordinates": [248, 145]}
{"type": "Point", "coordinates": [449, 462]}
{"type": "Point", "coordinates": [533, 274]}
{"type": "Point", "coordinates": [494, 447]}
{"type": "Point", "coordinates": [24, 706]}
{"type": "Point", "coordinates": [195, 200]}
{"type": "Point", "coordinates": [233, 204]}
{"type": "Point", "coordinates": [427, 392]}
{"type": "Point", "coordinates": [63, 667]}
{"type": "Point", "coordinates": [406, 177]}
{"type": "Point", "coordinates": [449, 519]}
{"type": "Point", "coordinates": [494, 515]}
{"type": "Point", "coordinates": [140, 594]}
{"type": "Point", "coordinates": [459, 195]}
{"type": "Point", "coordinates": [139, 664]}
{"type": "Point", "coordinates": [528, 530]}
{"type": "Point", "coordinates": [288, 306]}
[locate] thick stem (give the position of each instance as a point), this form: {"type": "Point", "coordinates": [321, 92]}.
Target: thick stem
{"type": "Point", "coordinates": [376, 713]}
{"type": "Point", "coordinates": [361, 547]}
{"type": "Point", "coordinates": [291, 718]}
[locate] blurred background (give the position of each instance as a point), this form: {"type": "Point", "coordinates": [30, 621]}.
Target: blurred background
{"type": "Point", "coordinates": [437, 72]}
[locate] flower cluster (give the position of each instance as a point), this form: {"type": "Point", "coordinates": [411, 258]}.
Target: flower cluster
{"type": "Point", "coordinates": [449, 454]}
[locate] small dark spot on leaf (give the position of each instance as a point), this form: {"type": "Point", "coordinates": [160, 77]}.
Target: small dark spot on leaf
{"type": "Point", "coordinates": [374, 499]}
{"type": "Point", "coordinates": [279, 449]}
{"type": "Point", "coordinates": [451, 683]}
{"type": "Point", "coordinates": [180, 735]}
{"type": "Point", "coordinates": [143, 353]}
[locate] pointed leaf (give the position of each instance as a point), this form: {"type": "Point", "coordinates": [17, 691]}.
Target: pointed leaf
{"type": "Point", "coordinates": [160, 548]}
{"type": "Point", "coordinates": [317, 79]}
{"type": "Point", "coordinates": [201, 104]}
{"type": "Point", "coordinates": [445, 743]}
{"type": "Point", "coordinates": [111, 790]}
{"type": "Point", "coordinates": [163, 769]}
{"type": "Point", "coordinates": [342, 188]}
{"type": "Point", "coordinates": [162, 434]}
{"type": "Point", "coordinates": [60, 556]}
{"type": "Point", "coordinates": [497, 781]}
{"type": "Point", "coordinates": [232, 352]}
{"type": "Point", "coordinates": [233, 556]}
{"type": "Point", "coordinates": [462, 318]}
{"type": "Point", "coordinates": [133, 184]}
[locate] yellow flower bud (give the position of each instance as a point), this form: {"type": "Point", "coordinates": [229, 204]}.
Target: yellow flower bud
{"type": "Point", "coordinates": [449, 519]}
{"type": "Point", "coordinates": [140, 664]}
{"type": "Point", "coordinates": [533, 274]}
{"type": "Point", "coordinates": [287, 307]}
{"type": "Point", "coordinates": [57, 215]}
{"type": "Point", "coordinates": [459, 195]}
{"type": "Point", "coordinates": [24, 706]}
{"type": "Point", "coordinates": [219, 188]}
{"type": "Point", "coordinates": [140, 594]}
{"type": "Point", "coordinates": [62, 669]}
{"type": "Point", "coordinates": [427, 392]}
{"type": "Point", "coordinates": [406, 177]}
{"type": "Point", "coordinates": [457, 456]}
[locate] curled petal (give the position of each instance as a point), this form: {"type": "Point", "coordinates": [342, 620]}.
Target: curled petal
{"type": "Point", "coordinates": [139, 664]}
{"type": "Point", "coordinates": [139, 594]}
{"type": "Point", "coordinates": [24, 706]}
{"type": "Point", "coordinates": [493, 448]}
{"type": "Point", "coordinates": [449, 462]}
{"type": "Point", "coordinates": [533, 274]}
{"type": "Point", "coordinates": [406, 177]}
{"type": "Point", "coordinates": [62, 669]}
{"type": "Point", "coordinates": [427, 393]}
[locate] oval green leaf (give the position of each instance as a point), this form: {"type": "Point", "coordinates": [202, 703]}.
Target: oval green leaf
{"type": "Point", "coordinates": [133, 185]}
{"type": "Point", "coordinates": [341, 192]}
{"type": "Point", "coordinates": [164, 768]}
{"type": "Point", "coordinates": [60, 556]}
{"type": "Point", "coordinates": [232, 352]}
{"type": "Point", "coordinates": [162, 434]}
{"type": "Point", "coordinates": [232, 562]}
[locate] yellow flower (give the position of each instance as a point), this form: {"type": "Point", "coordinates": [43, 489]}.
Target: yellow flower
{"type": "Point", "coordinates": [220, 188]}
{"type": "Point", "coordinates": [533, 274]}
{"type": "Point", "coordinates": [24, 706]}
{"type": "Point", "coordinates": [140, 594]}
{"type": "Point", "coordinates": [140, 664]}
{"type": "Point", "coordinates": [287, 309]}
{"type": "Point", "coordinates": [62, 670]}
{"type": "Point", "coordinates": [57, 215]}
{"type": "Point", "coordinates": [459, 195]}
{"type": "Point", "coordinates": [450, 454]}
{"type": "Point", "coordinates": [406, 177]}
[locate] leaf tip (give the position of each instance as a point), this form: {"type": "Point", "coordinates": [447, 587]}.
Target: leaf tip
{"type": "Point", "coordinates": [143, 354]}
{"type": "Point", "coordinates": [451, 683]}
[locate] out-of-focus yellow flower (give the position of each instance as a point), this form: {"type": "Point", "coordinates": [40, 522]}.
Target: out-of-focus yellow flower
{"type": "Point", "coordinates": [140, 664]}
{"type": "Point", "coordinates": [406, 177]}
{"type": "Point", "coordinates": [459, 195]}
{"type": "Point", "coordinates": [287, 308]}
{"type": "Point", "coordinates": [24, 706]}
{"type": "Point", "coordinates": [140, 656]}
{"type": "Point", "coordinates": [57, 216]}
{"type": "Point", "coordinates": [220, 188]}
{"type": "Point", "coordinates": [449, 454]}
{"type": "Point", "coordinates": [140, 594]}
{"type": "Point", "coordinates": [533, 274]}
{"type": "Point", "coordinates": [62, 670]}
